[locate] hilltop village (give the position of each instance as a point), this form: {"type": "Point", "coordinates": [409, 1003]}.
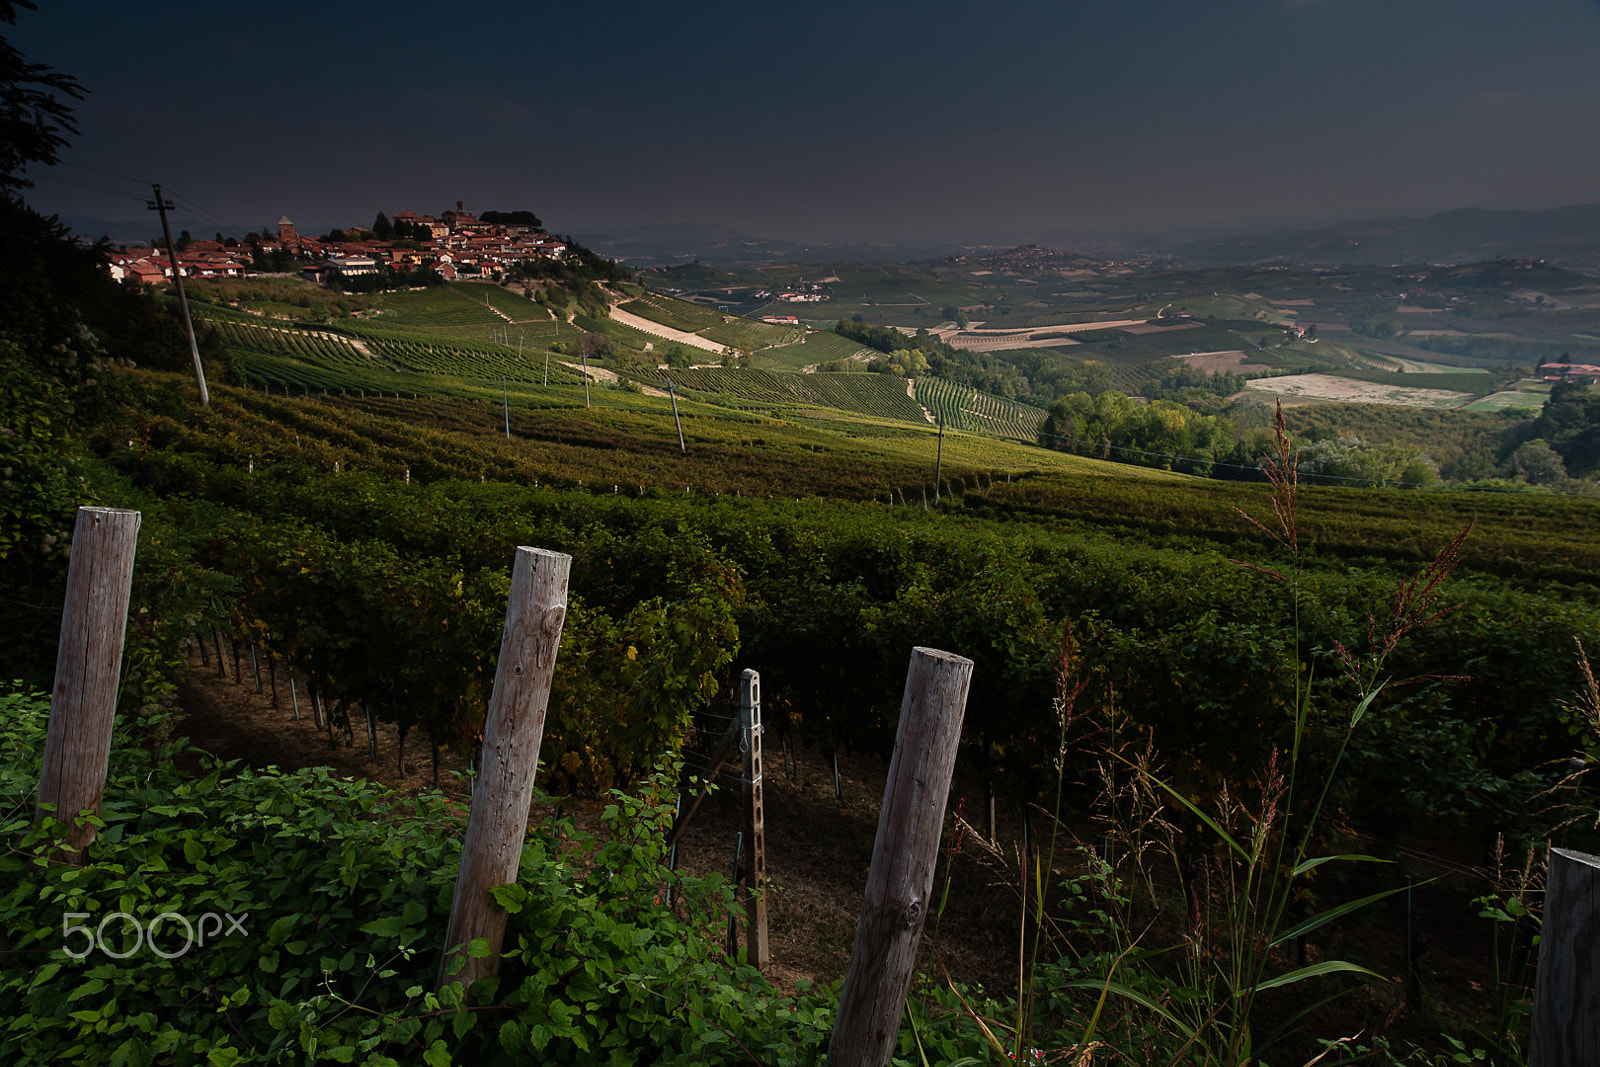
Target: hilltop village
{"type": "Point", "coordinates": [451, 244]}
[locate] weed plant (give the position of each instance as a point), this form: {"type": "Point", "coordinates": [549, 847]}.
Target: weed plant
{"type": "Point", "coordinates": [1190, 912]}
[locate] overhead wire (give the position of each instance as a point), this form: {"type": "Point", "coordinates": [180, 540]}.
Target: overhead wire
{"type": "Point", "coordinates": [63, 180]}
{"type": "Point", "coordinates": [205, 214]}
{"type": "Point", "coordinates": [106, 173]}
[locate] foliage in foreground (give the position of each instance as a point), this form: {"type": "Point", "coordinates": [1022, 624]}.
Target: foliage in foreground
{"type": "Point", "coordinates": [341, 891]}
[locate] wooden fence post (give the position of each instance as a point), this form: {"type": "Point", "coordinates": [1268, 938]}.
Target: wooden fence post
{"type": "Point", "coordinates": [757, 950]}
{"type": "Point", "coordinates": [1565, 1029]}
{"type": "Point", "coordinates": [512, 733]}
{"type": "Point", "coordinates": [903, 858]}
{"type": "Point", "coordinates": [83, 702]}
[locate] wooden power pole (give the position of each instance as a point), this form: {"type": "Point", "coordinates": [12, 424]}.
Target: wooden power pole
{"type": "Point", "coordinates": [163, 206]}
{"type": "Point", "coordinates": [673, 393]}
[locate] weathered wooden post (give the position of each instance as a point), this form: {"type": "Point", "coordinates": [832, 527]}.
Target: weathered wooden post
{"type": "Point", "coordinates": [1565, 1029]}
{"type": "Point", "coordinates": [756, 948]}
{"type": "Point", "coordinates": [903, 859]}
{"type": "Point", "coordinates": [83, 701]}
{"type": "Point", "coordinates": [512, 732]}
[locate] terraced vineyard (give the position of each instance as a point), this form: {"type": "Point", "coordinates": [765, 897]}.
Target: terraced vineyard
{"type": "Point", "coordinates": [448, 305]}
{"type": "Point", "coordinates": [621, 333]}
{"type": "Point", "coordinates": [878, 395]}
{"type": "Point", "coordinates": [693, 318]}
{"type": "Point", "coordinates": [415, 349]}
{"type": "Point", "coordinates": [513, 305]}
{"type": "Point", "coordinates": [964, 408]}
{"type": "Point", "coordinates": [377, 356]}
{"type": "Point", "coordinates": [320, 348]}
{"type": "Point", "coordinates": [809, 351]}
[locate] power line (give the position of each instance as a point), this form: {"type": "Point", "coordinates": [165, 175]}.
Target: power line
{"type": "Point", "coordinates": [60, 180]}
{"type": "Point", "coordinates": [107, 173]}
{"type": "Point", "coordinates": [204, 214]}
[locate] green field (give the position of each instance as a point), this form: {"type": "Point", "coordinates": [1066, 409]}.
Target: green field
{"type": "Point", "coordinates": [444, 341]}
{"type": "Point", "coordinates": [713, 325]}
{"type": "Point", "coordinates": [462, 339]}
{"type": "Point", "coordinates": [808, 350]}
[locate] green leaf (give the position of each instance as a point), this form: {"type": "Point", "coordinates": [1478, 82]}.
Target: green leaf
{"type": "Point", "coordinates": [280, 930]}
{"type": "Point", "coordinates": [509, 896]}
{"type": "Point", "coordinates": [1315, 969]}
{"type": "Point", "coordinates": [1135, 996]}
{"type": "Point", "coordinates": [280, 1015]}
{"type": "Point", "coordinates": [437, 1055]}
{"type": "Point", "coordinates": [1366, 702]}
{"type": "Point", "coordinates": [87, 989]}
{"type": "Point", "coordinates": [478, 948]}
{"type": "Point", "coordinates": [1312, 864]}
{"type": "Point", "coordinates": [1324, 917]}
{"type": "Point", "coordinates": [1203, 817]}
{"type": "Point", "coordinates": [193, 850]}
{"type": "Point", "coordinates": [389, 926]}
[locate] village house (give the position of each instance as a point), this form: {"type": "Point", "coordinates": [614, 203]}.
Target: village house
{"type": "Point", "coordinates": [1569, 372]}
{"type": "Point", "coordinates": [455, 242]}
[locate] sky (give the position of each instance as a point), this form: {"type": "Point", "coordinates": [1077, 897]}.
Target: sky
{"type": "Point", "coordinates": [931, 121]}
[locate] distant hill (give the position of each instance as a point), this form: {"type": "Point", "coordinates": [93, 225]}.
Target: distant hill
{"type": "Point", "coordinates": [729, 248]}
{"type": "Point", "coordinates": [1568, 236]}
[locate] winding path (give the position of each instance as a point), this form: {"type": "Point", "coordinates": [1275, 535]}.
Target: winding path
{"type": "Point", "coordinates": [655, 329]}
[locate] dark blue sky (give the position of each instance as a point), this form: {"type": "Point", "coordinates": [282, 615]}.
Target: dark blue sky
{"type": "Point", "coordinates": [927, 121]}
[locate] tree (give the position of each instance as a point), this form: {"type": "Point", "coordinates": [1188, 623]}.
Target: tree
{"type": "Point", "coordinates": [382, 228]}
{"type": "Point", "coordinates": [513, 218]}
{"type": "Point", "coordinates": [33, 118]}
{"type": "Point", "coordinates": [1538, 464]}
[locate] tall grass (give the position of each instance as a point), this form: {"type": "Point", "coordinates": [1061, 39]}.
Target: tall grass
{"type": "Point", "coordinates": [1183, 913]}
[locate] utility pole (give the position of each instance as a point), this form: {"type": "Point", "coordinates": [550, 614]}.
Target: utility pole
{"type": "Point", "coordinates": [938, 461]}
{"type": "Point", "coordinates": [585, 354]}
{"type": "Point", "coordinates": [505, 402]}
{"type": "Point", "coordinates": [161, 205]}
{"type": "Point", "coordinates": [673, 393]}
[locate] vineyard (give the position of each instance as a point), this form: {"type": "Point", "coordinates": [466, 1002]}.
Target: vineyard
{"type": "Point", "coordinates": [964, 408]}
{"type": "Point", "coordinates": [462, 304]}
{"type": "Point", "coordinates": [876, 395]}
{"type": "Point", "coordinates": [694, 318]}
{"type": "Point", "coordinates": [344, 470]}
{"type": "Point", "coordinates": [435, 341]}
{"type": "Point", "coordinates": [810, 350]}
{"type": "Point", "coordinates": [346, 523]}
{"type": "Point", "coordinates": [362, 544]}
